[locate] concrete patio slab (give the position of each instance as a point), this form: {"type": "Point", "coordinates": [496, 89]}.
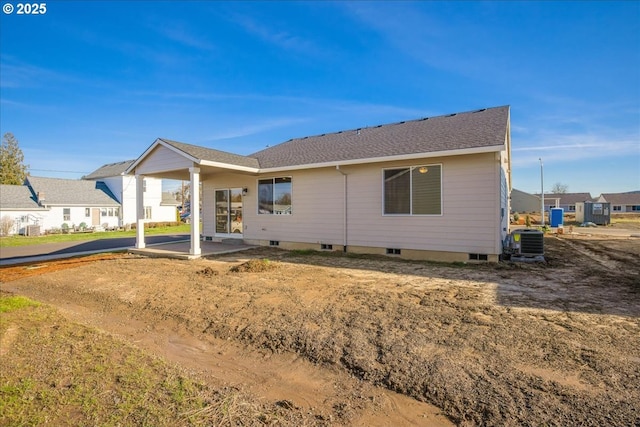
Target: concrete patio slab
{"type": "Point", "coordinates": [180, 250]}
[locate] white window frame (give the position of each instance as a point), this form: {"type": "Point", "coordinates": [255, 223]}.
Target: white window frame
{"type": "Point", "coordinates": [411, 169]}
{"type": "Point", "coordinates": [273, 180]}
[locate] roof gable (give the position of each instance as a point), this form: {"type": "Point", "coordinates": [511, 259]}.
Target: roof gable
{"type": "Point", "coordinates": [71, 192]}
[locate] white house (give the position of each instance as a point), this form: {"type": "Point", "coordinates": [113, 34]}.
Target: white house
{"type": "Point", "coordinates": [434, 188]}
{"type": "Point", "coordinates": [159, 206]}
{"type": "Point", "coordinates": [73, 202]}
{"type": "Point", "coordinates": [20, 209]}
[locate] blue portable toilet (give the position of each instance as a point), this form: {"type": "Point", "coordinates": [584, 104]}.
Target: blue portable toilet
{"type": "Point", "coordinates": [556, 217]}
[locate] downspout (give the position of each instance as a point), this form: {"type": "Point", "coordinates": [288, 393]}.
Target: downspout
{"type": "Point", "coordinates": [344, 219]}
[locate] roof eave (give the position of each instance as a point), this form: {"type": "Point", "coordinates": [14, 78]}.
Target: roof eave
{"type": "Point", "coordinates": [228, 166]}
{"type": "Point", "coordinates": [413, 156]}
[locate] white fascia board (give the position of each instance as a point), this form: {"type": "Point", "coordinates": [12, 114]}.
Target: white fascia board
{"type": "Point", "coordinates": [445, 153]}
{"type": "Point", "coordinates": [228, 166]}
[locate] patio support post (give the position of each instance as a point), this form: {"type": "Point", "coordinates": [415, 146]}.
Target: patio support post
{"type": "Point", "coordinates": [140, 212]}
{"type": "Point", "coordinates": [195, 211]}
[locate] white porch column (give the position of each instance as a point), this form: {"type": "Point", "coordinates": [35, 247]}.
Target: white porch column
{"type": "Point", "coordinates": [140, 212]}
{"type": "Point", "coordinates": [195, 211]}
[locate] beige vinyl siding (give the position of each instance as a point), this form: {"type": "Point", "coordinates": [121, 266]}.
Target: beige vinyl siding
{"type": "Point", "coordinates": [162, 159]}
{"type": "Point", "coordinates": [468, 221]}
{"type": "Point", "coordinates": [316, 210]}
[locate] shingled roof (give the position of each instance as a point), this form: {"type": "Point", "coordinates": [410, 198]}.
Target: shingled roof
{"type": "Point", "coordinates": [460, 131]}
{"type": "Point", "coordinates": [203, 153]}
{"type": "Point", "coordinates": [110, 169]}
{"type": "Point", "coordinates": [481, 130]}
{"type": "Point", "coordinates": [631, 198]}
{"type": "Point", "coordinates": [72, 192]}
{"type": "Point", "coordinates": [17, 197]}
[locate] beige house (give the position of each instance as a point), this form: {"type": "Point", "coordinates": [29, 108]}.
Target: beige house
{"type": "Point", "coordinates": [435, 188]}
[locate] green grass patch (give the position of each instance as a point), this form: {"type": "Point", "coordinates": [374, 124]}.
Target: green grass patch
{"type": "Point", "coordinates": [12, 241]}
{"type": "Point", "coordinates": [8, 304]}
{"type": "Point", "coordinates": [55, 372]}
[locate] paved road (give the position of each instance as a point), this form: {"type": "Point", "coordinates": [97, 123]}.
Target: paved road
{"type": "Point", "coordinates": [48, 251]}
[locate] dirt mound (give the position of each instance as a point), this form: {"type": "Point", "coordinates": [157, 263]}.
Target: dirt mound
{"type": "Point", "coordinates": [255, 266]}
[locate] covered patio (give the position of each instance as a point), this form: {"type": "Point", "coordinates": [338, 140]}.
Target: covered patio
{"type": "Point", "coordinates": [174, 160]}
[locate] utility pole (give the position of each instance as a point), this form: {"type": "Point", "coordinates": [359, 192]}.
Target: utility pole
{"type": "Point", "coordinates": [541, 192]}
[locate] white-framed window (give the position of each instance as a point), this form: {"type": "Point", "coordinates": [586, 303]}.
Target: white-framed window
{"type": "Point", "coordinates": [414, 190]}
{"type": "Point", "coordinates": [147, 212]}
{"type": "Point", "coordinates": [274, 196]}
{"type": "Point", "coordinates": [103, 212]}
{"type": "Point", "coordinates": [617, 207]}
{"type": "Point", "coordinates": [87, 212]}
{"type": "Point", "coordinates": [66, 214]}
{"type": "Point", "coordinates": [144, 185]}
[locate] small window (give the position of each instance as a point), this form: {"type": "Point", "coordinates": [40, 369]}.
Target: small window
{"type": "Point", "coordinates": [393, 251]}
{"type": "Point", "coordinates": [103, 212]}
{"type": "Point", "coordinates": [326, 247]}
{"type": "Point", "coordinates": [87, 212]}
{"type": "Point", "coordinates": [144, 185]}
{"type": "Point", "coordinates": [66, 214]}
{"type": "Point", "coordinates": [274, 196]}
{"type": "Point", "coordinates": [147, 212]}
{"type": "Point", "coordinates": [274, 243]}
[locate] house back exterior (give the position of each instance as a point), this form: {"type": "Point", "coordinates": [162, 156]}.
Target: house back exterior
{"type": "Point", "coordinates": [435, 188]}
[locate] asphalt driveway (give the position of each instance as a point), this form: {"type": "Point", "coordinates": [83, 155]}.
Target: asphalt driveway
{"type": "Point", "coordinates": [47, 251]}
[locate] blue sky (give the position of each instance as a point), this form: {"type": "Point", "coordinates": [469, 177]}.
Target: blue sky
{"type": "Point", "coordinates": [89, 83]}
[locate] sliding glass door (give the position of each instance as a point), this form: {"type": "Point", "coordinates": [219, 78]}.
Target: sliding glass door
{"type": "Point", "coordinates": [229, 211]}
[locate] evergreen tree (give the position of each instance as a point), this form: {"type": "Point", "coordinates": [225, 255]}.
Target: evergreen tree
{"type": "Point", "coordinates": [12, 168]}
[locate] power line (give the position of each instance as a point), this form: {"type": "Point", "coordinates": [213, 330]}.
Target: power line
{"type": "Point", "coordinates": [51, 170]}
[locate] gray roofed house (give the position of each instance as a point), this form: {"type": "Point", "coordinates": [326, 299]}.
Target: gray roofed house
{"type": "Point", "coordinates": [622, 202]}
{"type": "Point", "coordinates": [71, 192]}
{"type": "Point", "coordinates": [432, 188]}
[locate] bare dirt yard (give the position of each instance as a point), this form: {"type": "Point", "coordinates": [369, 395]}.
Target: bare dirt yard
{"type": "Point", "coordinates": [380, 341]}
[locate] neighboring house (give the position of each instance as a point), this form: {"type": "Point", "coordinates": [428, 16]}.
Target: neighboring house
{"type": "Point", "coordinates": [434, 188]}
{"type": "Point", "coordinates": [73, 202]}
{"type": "Point", "coordinates": [158, 206]}
{"type": "Point", "coordinates": [566, 201]}
{"type": "Point", "coordinates": [622, 202]}
{"type": "Point", "coordinates": [18, 204]}
{"type": "Point", "coordinates": [523, 202]}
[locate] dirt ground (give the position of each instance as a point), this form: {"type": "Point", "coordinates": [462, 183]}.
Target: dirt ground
{"type": "Point", "coordinates": [380, 341]}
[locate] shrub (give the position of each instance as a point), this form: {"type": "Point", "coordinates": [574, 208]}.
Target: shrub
{"type": "Point", "coordinates": [6, 224]}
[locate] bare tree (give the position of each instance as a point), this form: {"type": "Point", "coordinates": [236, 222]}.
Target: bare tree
{"type": "Point", "coordinates": [559, 188]}
{"type": "Point", "coordinates": [6, 224]}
